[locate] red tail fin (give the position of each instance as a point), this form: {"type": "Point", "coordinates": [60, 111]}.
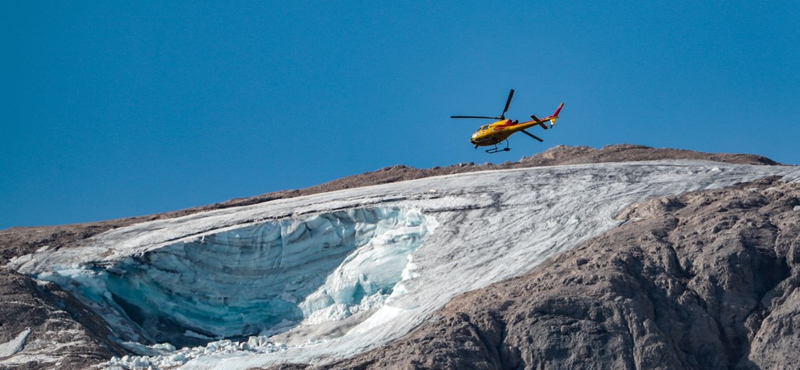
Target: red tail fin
{"type": "Point", "coordinates": [558, 110]}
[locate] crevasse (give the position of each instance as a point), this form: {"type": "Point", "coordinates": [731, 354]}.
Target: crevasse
{"type": "Point", "coordinates": [257, 279]}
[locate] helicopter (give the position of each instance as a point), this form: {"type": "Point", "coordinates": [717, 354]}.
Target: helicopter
{"type": "Point", "coordinates": [495, 133]}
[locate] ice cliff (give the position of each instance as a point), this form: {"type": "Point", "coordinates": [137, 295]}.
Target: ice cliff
{"type": "Point", "coordinates": [251, 280]}
{"type": "Point", "coordinates": [322, 277]}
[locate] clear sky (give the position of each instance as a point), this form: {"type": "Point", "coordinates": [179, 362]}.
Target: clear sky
{"type": "Point", "coordinates": [121, 108]}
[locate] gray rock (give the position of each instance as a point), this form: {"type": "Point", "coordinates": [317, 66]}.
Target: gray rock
{"type": "Point", "coordinates": [62, 332]}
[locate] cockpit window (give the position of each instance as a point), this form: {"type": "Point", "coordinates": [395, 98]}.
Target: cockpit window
{"type": "Point", "coordinates": [484, 127]}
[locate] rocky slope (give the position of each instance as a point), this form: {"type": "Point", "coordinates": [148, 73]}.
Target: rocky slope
{"type": "Point", "coordinates": [574, 312]}
{"type": "Point", "coordinates": [706, 280]}
{"type": "Point", "coordinates": [28, 311]}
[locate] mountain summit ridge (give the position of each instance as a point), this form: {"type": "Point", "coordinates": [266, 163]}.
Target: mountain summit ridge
{"type": "Point", "coordinates": [24, 240]}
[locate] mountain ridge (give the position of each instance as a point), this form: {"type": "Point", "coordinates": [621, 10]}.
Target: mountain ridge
{"type": "Point", "coordinates": [29, 238]}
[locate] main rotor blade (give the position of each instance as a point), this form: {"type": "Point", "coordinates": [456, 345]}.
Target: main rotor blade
{"type": "Point", "coordinates": [508, 102]}
{"type": "Point", "coordinates": [475, 117]}
{"type": "Point", "coordinates": [531, 135]}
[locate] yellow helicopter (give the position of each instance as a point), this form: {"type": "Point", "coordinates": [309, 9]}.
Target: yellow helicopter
{"type": "Point", "coordinates": [499, 131]}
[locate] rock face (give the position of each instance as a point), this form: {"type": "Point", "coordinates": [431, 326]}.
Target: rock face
{"type": "Point", "coordinates": [562, 154]}
{"type": "Point", "coordinates": [707, 280]}
{"type": "Point", "coordinates": [55, 329]}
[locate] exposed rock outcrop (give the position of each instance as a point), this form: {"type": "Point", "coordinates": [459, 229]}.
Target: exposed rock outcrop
{"type": "Point", "coordinates": [50, 327]}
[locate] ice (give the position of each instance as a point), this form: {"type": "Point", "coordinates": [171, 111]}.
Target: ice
{"type": "Point", "coordinates": [14, 345]}
{"type": "Point", "coordinates": [365, 266]}
{"type": "Point", "coordinates": [258, 278]}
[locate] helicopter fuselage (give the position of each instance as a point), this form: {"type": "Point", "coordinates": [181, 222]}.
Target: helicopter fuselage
{"type": "Point", "coordinates": [494, 133]}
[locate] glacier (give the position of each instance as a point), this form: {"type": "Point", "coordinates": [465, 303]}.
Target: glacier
{"type": "Point", "coordinates": [316, 278]}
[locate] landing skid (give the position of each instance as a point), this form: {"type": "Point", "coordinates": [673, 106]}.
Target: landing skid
{"type": "Point", "coordinates": [497, 150]}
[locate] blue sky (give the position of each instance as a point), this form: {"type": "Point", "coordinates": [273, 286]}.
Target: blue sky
{"type": "Point", "coordinates": [113, 109]}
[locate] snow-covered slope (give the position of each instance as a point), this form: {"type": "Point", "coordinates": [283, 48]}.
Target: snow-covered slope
{"type": "Point", "coordinates": [330, 275]}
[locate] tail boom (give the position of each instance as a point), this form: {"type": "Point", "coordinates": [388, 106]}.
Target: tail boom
{"type": "Point", "coordinates": [541, 122]}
